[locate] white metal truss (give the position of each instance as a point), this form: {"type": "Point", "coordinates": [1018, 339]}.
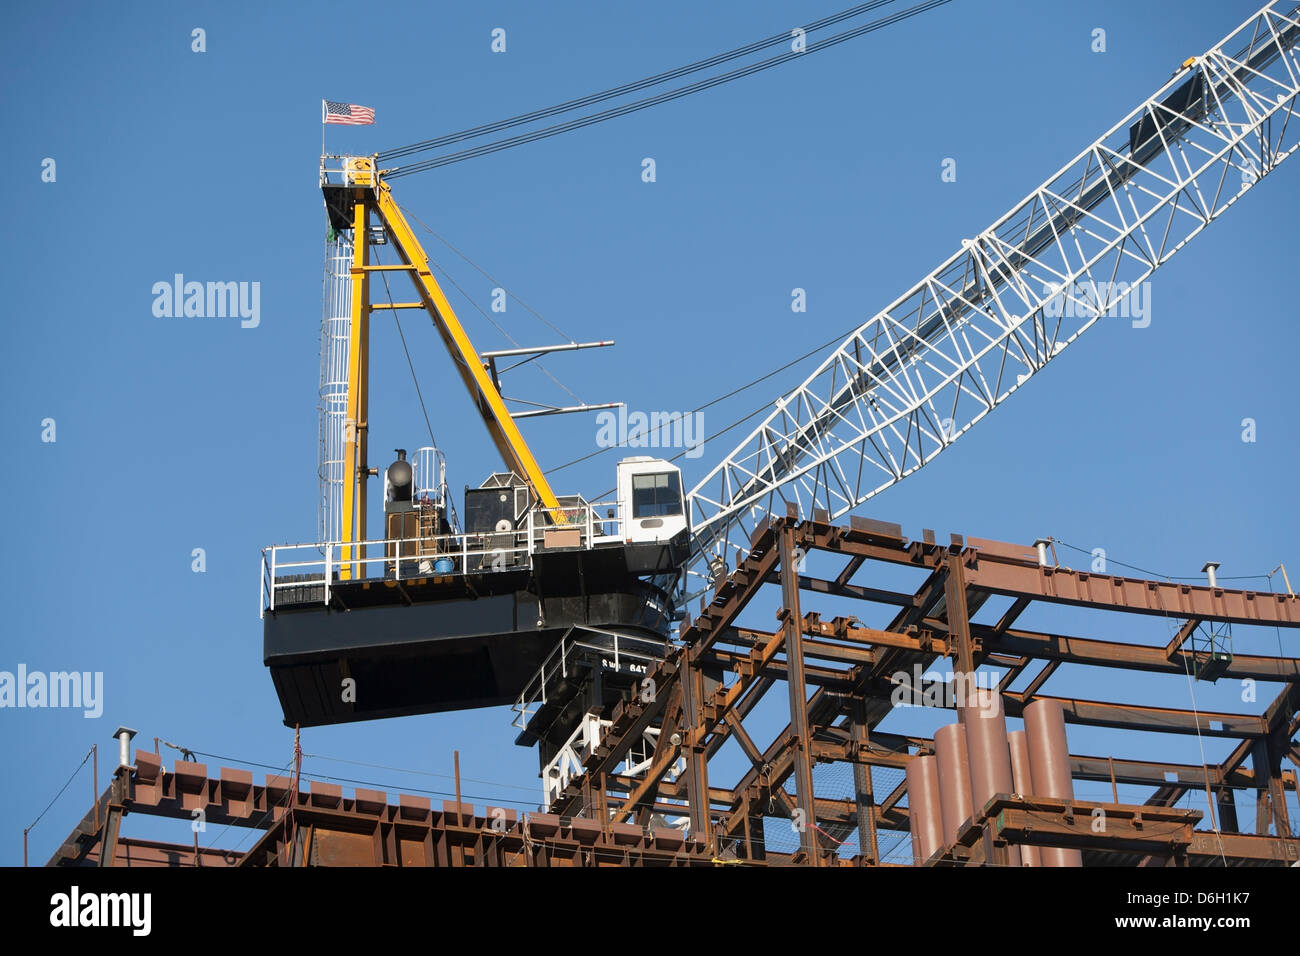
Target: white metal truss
{"type": "Point", "coordinates": [920, 374]}
{"type": "Point", "coordinates": [570, 759]}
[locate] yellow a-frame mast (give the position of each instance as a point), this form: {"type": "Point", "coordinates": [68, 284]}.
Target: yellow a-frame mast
{"type": "Point", "coordinates": [373, 195]}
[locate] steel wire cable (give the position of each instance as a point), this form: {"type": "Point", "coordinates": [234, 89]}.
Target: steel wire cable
{"type": "Point", "coordinates": [699, 86]}
{"type": "Point", "coordinates": [709, 404]}
{"type": "Point", "coordinates": [1156, 574]}
{"type": "Point", "coordinates": [483, 272]}
{"type": "Point", "coordinates": [32, 826]}
{"type": "Point", "coordinates": [593, 98]}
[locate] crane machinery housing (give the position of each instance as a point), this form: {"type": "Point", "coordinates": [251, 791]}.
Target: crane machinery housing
{"type": "Point", "coordinates": [555, 603]}
{"type": "Point", "coordinates": [429, 616]}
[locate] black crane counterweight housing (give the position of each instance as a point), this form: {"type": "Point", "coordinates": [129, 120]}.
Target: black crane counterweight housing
{"type": "Point", "coordinates": [439, 643]}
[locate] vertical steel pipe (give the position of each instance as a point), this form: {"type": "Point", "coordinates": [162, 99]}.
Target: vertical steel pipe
{"type": "Point", "coordinates": [123, 735]}
{"type": "Point", "coordinates": [1022, 779]}
{"type": "Point", "coordinates": [802, 762]}
{"type": "Point", "coordinates": [986, 748]}
{"type": "Point", "coordinates": [923, 807]}
{"type": "Point", "coordinates": [1049, 767]}
{"type": "Point", "coordinates": [954, 780]}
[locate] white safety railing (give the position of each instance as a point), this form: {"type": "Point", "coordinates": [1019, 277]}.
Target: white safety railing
{"type": "Point", "coordinates": [294, 567]}
{"type": "Point", "coordinates": [575, 514]}
{"type": "Point", "coordinates": [324, 565]}
{"type": "Point", "coordinates": [617, 652]}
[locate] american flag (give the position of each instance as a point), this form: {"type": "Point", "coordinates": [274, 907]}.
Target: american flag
{"type": "Point", "coordinates": [349, 114]}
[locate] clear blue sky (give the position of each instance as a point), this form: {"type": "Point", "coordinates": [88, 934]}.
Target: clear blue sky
{"type": "Point", "coordinates": [175, 434]}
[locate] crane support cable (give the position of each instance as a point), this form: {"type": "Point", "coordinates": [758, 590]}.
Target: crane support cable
{"type": "Point", "coordinates": [626, 442]}
{"type": "Point", "coordinates": [495, 281]}
{"type": "Point", "coordinates": [483, 391]}
{"type": "Point", "coordinates": [633, 87]}
{"type": "Point", "coordinates": [636, 105]}
{"type": "Point", "coordinates": [496, 325]}
{"type": "Point", "coordinates": [415, 379]}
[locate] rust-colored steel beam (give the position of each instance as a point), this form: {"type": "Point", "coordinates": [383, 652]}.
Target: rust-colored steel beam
{"type": "Point", "coordinates": [863, 789]}
{"type": "Point", "coordinates": [1068, 824]}
{"type": "Point", "coordinates": [1017, 608]}
{"type": "Point", "coordinates": [1039, 680]}
{"type": "Point", "coordinates": [1156, 773]}
{"type": "Point", "coordinates": [647, 786]}
{"type": "Point", "coordinates": [629, 722]}
{"type": "Point", "coordinates": [737, 662]}
{"type": "Point", "coordinates": [801, 741]}
{"type": "Point", "coordinates": [697, 772]}
{"type": "Point", "coordinates": [741, 709]}
{"type": "Point", "coordinates": [1243, 848]}
{"type": "Point", "coordinates": [672, 723]}
{"type": "Point", "coordinates": [1162, 598]}
{"type": "Point", "coordinates": [1266, 760]}
{"type": "Point", "coordinates": [1280, 712]}
{"type": "Point", "coordinates": [331, 829]}
{"type": "Point", "coordinates": [1153, 719]}
{"type": "Point", "coordinates": [838, 588]}
{"type": "Point", "coordinates": [965, 655]}
{"type": "Point", "coordinates": [1090, 712]}
{"type": "Point", "coordinates": [1181, 636]}
{"type": "Point", "coordinates": [414, 834]}
{"type": "Point", "coordinates": [1000, 568]}
{"type": "Point", "coordinates": [1139, 657]}
{"type": "Point", "coordinates": [1058, 648]}
{"type": "Point", "coordinates": [736, 592]}
{"type": "Point", "coordinates": [131, 852]}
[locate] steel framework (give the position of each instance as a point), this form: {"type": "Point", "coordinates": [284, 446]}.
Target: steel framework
{"type": "Point", "coordinates": [321, 827]}
{"type": "Point", "coordinates": [850, 668]}
{"type": "Point", "coordinates": [703, 695]}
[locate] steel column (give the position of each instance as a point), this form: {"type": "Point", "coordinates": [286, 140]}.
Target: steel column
{"type": "Point", "coordinates": [792, 627]}
{"type": "Point", "coordinates": [697, 771]}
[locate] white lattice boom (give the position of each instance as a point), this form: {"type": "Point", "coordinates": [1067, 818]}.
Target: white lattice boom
{"type": "Point", "coordinates": [921, 373]}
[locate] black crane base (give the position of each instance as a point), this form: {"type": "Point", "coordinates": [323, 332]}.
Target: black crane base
{"type": "Point", "coordinates": [427, 645]}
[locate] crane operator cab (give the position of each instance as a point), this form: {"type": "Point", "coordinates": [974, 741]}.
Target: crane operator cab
{"type": "Point", "coordinates": [652, 514]}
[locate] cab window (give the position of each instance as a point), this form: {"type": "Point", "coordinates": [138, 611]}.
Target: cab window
{"type": "Point", "coordinates": [656, 495]}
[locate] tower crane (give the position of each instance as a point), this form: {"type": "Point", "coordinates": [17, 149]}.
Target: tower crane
{"type": "Point", "coordinates": [556, 603]}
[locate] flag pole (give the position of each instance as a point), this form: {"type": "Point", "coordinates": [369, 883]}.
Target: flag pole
{"type": "Point", "coordinates": [322, 127]}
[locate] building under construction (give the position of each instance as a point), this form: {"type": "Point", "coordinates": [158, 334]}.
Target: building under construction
{"type": "Point", "coordinates": [974, 794]}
